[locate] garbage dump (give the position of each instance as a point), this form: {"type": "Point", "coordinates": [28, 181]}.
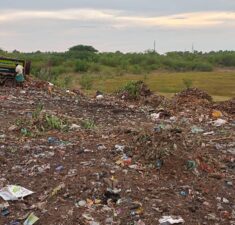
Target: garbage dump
{"type": "Point", "coordinates": [69, 159]}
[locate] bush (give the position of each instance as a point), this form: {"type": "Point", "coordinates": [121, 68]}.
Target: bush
{"type": "Point", "coordinates": [81, 66]}
{"type": "Point", "coordinates": [131, 88]}
{"type": "Point", "coordinates": [86, 81]}
{"type": "Point", "coordinates": [54, 122]}
{"type": "Point", "coordinates": [202, 66]}
{"type": "Point", "coordinates": [94, 67]}
{"type": "Point", "coordinates": [135, 69]}
{"type": "Point", "coordinates": [187, 83]}
{"type": "Point", "coordinates": [88, 124]}
{"type": "Point", "coordinates": [63, 82]}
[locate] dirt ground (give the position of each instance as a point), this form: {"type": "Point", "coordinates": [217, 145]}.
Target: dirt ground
{"type": "Point", "coordinates": [113, 161]}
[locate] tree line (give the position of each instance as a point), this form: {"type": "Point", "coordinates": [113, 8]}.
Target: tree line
{"type": "Point", "coordinates": [86, 59]}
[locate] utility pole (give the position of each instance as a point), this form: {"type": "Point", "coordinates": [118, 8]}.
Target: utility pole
{"type": "Point", "coordinates": [192, 48]}
{"type": "Point", "coordinates": [154, 46]}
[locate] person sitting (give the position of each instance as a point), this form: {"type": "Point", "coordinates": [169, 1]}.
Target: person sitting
{"type": "Point", "coordinates": [19, 75]}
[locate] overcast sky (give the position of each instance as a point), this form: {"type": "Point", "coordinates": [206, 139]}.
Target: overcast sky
{"type": "Point", "coordinates": [110, 25]}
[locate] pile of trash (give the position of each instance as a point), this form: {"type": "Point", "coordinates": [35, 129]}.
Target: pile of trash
{"type": "Point", "coordinates": [191, 96]}
{"type": "Point", "coordinates": [70, 159]}
{"type": "Point", "coordinates": [194, 92]}
{"type": "Point", "coordinates": [227, 106]}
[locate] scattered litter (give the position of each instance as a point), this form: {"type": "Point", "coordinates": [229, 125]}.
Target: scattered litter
{"type": "Point", "coordinates": [159, 163]}
{"type": "Point", "coordinates": [209, 133]}
{"type": "Point", "coordinates": [5, 212]}
{"type": "Point", "coordinates": [196, 130]}
{"type": "Point", "coordinates": [191, 164]}
{"type": "Point", "coordinates": [217, 114]}
{"type": "Point", "coordinates": [167, 220]}
{"type": "Point", "coordinates": [155, 116]}
{"type": "Point", "coordinates": [99, 97]}
{"type": "Point", "coordinates": [74, 127]}
{"type": "Point", "coordinates": [59, 168]}
{"type": "Point", "coordinates": [14, 192]}
{"type": "Point", "coordinates": [131, 169]}
{"type": "Point", "coordinates": [113, 195]}
{"type": "Point", "coordinates": [4, 205]}
{"type": "Point", "coordinates": [81, 203]}
{"type": "Point", "coordinates": [57, 189]}
{"type": "Point", "coordinates": [219, 122]}
{"type": "Point", "coordinates": [32, 219]}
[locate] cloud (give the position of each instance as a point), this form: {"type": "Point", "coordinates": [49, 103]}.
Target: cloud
{"type": "Point", "coordinates": [121, 19]}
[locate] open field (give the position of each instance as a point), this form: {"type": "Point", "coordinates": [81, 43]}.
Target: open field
{"type": "Point", "coordinates": [219, 84]}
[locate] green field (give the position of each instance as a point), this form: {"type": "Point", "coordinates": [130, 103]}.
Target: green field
{"type": "Point", "coordinates": [221, 85]}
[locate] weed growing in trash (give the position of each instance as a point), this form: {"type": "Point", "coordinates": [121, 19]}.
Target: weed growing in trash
{"type": "Point", "coordinates": [22, 122]}
{"type": "Point", "coordinates": [37, 111]}
{"type": "Point", "coordinates": [54, 122]}
{"type": "Point", "coordinates": [40, 123]}
{"type": "Point", "coordinates": [25, 132]}
{"type": "Point", "coordinates": [188, 83]}
{"type": "Point", "coordinates": [88, 124]}
{"type": "Point", "coordinates": [132, 89]}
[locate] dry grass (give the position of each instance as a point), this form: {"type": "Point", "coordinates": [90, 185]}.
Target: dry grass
{"type": "Point", "coordinates": [219, 84]}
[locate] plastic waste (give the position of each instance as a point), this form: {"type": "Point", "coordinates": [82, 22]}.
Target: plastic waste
{"type": "Point", "coordinates": [53, 140]}
{"type": "Point", "coordinates": [5, 212]}
{"type": "Point", "coordinates": [209, 133]}
{"type": "Point", "coordinates": [14, 192]}
{"type": "Point", "coordinates": [184, 193]}
{"type": "Point", "coordinates": [191, 164]}
{"type": "Point", "coordinates": [217, 114]}
{"type": "Point", "coordinates": [155, 116]}
{"type": "Point", "coordinates": [112, 194]}
{"type": "Point", "coordinates": [159, 128]}
{"type": "Point", "coordinates": [99, 97]}
{"type": "Point", "coordinates": [167, 220]}
{"type": "Point", "coordinates": [24, 131]}
{"type": "Point", "coordinates": [32, 219]}
{"type": "Point", "coordinates": [57, 189]}
{"type": "Point", "coordinates": [4, 205]}
{"type": "Point", "coordinates": [14, 223]}
{"type": "Point", "coordinates": [159, 163]}
{"type": "Point", "coordinates": [196, 130]}
{"type": "Point", "coordinates": [59, 168]}
{"type": "Point", "coordinates": [119, 148]}
{"type": "Point", "coordinates": [219, 122]}
{"type": "Point", "coordinates": [74, 127]}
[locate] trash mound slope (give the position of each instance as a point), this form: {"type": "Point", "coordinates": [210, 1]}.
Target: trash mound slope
{"type": "Point", "coordinates": [109, 161]}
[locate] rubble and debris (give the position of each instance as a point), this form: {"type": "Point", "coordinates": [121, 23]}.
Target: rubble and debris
{"type": "Point", "coordinates": [129, 170]}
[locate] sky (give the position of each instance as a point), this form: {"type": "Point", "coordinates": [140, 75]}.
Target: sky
{"type": "Point", "coordinates": [124, 25]}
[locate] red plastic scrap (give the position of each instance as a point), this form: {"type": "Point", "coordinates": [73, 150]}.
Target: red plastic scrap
{"type": "Point", "coordinates": [205, 167]}
{"type": "Point", "coordinates": [3, 97]}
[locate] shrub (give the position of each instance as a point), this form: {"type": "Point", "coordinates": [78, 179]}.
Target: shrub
{"type": "Point", "coordinates": [88, 124]}
{"type": "Point", "coordinates": [202, 66]}
{"type": "Point", "coordinates": [132, 89]}
{"type": "Point", "coordinates": [136, 69]}
{"type": "Point", "coordinates": [86, 81]}
{"type": "Point", "coordinates": [187, 83]}
{"type": "Point", "coordinates": [81, 66]}
{"type": "Point", "coordinates": [94, 67]}
{"type": "Point", "coordinates": [54, 122]}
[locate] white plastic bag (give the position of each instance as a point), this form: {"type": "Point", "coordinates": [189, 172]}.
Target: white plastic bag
{"type": "Point", "coordinates": [167, 220]}
{"type": "Point", "coordinates": [14, 192]}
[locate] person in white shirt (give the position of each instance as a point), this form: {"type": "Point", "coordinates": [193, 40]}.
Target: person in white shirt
{"type": "Point", "coordinates": [19, 74]}
{"type": "Point", "coordinates": [19, 69]}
